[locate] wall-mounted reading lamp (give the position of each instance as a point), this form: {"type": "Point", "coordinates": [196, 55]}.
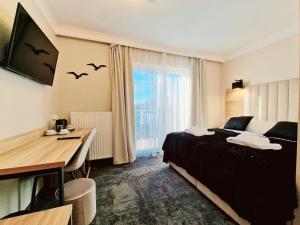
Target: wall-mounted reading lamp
{"type": "Point", "coordinates": [237, 84]}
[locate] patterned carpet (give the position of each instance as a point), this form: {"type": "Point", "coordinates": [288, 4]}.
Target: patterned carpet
{"type": "Point", "coordinates": [149, 192]}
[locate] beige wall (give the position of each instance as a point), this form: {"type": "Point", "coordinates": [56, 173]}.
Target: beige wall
{"type": "Point", "coordinates": [89, 93]}
{"type": "Point", "coordinates": [25, 105]}
{"type": "Point", "coordinates": [21, 98]}
{"type": "Point", "coordinates": [279, 61]}
{"type": "Point", "coordinates": [275, 62]}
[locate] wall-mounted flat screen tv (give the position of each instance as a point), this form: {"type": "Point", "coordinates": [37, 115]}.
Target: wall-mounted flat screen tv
{"type": "Point", "coordinates": [30, 53]}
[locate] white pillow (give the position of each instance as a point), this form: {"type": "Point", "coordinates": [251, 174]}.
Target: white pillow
{"type": "Point", "coordinates": [259, 126]}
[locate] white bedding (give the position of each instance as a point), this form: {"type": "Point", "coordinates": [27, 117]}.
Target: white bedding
{"type": "Point", "coordinates": [259, 126]}
{"type": "Point", "coordinates": [252, 137]}
{"type": "Point", "coordinates": [198, 131]}
{"type": "Point", "coordinates": [254, 140]}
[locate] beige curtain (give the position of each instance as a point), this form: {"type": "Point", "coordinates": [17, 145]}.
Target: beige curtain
{"type": "Point", "coordinates": [199, 93]}
{"type": "Point", "coordinates": [122, 104]}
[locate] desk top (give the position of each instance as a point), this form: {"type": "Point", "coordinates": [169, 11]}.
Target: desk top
{"type": "Point", "coordinates": [43, 153]}
{"type": "Point", "coordinates": [55, 216]}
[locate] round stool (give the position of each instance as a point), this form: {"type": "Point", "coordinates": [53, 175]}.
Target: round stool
{"type": "Point", "coordinates": [81, 193]}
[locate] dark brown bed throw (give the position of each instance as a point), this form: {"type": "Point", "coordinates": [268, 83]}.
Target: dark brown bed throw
{"type": "Point", "coordinates": [258, 184]}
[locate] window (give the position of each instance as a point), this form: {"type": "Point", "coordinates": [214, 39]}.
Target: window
{"type": "Point", "coordinates": [162, 104]}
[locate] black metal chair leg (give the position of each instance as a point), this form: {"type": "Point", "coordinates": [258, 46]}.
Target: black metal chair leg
{"type": "Point", "coordinates": [83, 173]}
{"type": "Point", "coordinates": [32, 204]}
{"type": "Point", "coordinates": [73, 175]}
{"type": "Point", "coordinates": [61, 186]}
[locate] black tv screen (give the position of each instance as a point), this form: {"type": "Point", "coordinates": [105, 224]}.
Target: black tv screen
{"type": "Point", "coordinates": [30, 53]}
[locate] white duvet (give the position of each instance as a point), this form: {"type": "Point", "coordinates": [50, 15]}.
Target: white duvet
{"type": "Point", "coordinates": [198, 131]}
{"type": "Point", "coordinates": [254, 140]}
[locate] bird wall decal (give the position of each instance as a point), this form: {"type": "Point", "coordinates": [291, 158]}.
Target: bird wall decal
{"type": "Point", "coordinates": [96, 67]}
{"type": "Point", "coordinates": [36, 51]}
{"type": "Point", "coordinates": [77, 76]}
{"type": "Point", "coordinates": [50, 67]}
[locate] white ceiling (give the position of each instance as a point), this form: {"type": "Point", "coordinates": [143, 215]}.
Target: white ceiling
{"type": "Point", "coordinates": [212, 28]}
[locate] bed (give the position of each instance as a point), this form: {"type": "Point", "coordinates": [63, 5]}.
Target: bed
{"type": "Point", "coordinates": [250, 185]}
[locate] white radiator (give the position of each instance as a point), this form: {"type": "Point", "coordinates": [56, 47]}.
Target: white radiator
{"type": "Point", "coordinates": [101, 147]}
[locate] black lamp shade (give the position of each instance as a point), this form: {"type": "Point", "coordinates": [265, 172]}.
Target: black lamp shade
{"type": "Point", "coordinates": [237, 84]}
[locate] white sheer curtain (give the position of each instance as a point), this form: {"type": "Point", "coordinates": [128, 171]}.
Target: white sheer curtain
{"type": "Point", "coordinates": [162, 97]}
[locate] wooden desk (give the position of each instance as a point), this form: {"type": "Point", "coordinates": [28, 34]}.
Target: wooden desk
{"type": "Point", "coordinates": [55, 216]}
{"type": "Point", "coordinates": [41, 157]}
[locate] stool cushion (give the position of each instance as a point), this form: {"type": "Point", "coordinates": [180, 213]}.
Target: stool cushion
{"type": "Point", "coordinates": [77, 188]}
{"type": "Point", "coordinates": [81, 193]}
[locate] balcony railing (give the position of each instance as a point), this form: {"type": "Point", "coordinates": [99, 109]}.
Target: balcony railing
{"type": "Point", "coordinates": [146, 127]}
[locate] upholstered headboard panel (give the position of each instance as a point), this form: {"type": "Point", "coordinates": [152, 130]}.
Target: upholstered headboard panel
{"type": "Point", "coordinates": [274, 101]}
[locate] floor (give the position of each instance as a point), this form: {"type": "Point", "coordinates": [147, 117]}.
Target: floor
{"type": "Point", "coordinates": [148, 192]}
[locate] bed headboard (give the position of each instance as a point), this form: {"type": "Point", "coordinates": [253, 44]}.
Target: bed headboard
{"type": "Point", "coordinates": [234, 101]}
{"type": "Point", "coordinates": [273, 101]}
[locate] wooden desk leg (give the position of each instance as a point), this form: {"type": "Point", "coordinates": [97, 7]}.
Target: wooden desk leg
{"type": "Point", "coordinates": [61, 186]}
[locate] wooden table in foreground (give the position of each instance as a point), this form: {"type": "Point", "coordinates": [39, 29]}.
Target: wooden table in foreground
{"type": "Point", "coordinates": [42, 156]}
{"type": "Point", "coordinates": [55, 216]}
